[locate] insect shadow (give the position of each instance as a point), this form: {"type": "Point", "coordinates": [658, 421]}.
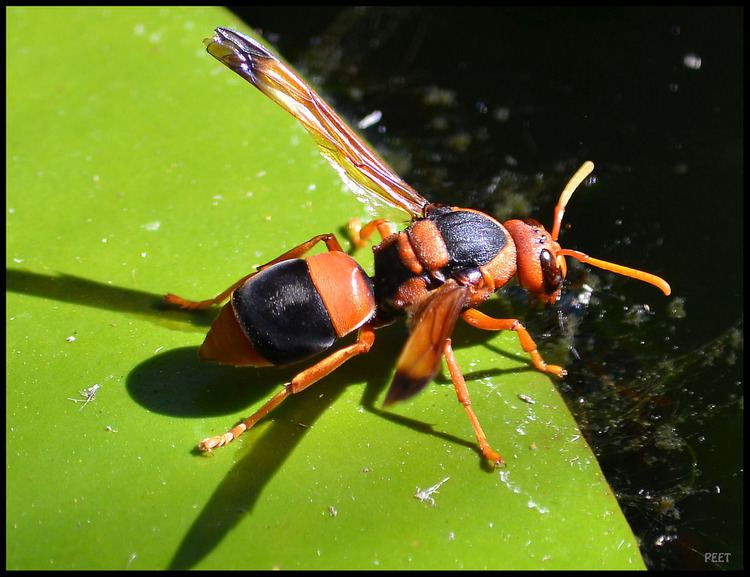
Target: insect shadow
{"type": "Point", "coordinates": [278, 435]}
{"type": "Point", "coordinates": [86, 292]}
{"type": "Point", "coordinates": [178, 383]}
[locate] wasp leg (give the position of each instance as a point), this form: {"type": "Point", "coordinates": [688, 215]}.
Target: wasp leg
{"type": "Point", "coordinates": [306, 378]}
{"type": "Point", "coordinates": [463, 397]}
{"type": "Point", "coordinates": [329, 239]}
{"type": "Point", "coordinates": [487, 323]}
{"type": "Point", "coordinates": [361, 234]}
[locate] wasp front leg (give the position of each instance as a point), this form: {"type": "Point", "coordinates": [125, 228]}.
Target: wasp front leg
{"type": "Point", "coordinates": [487, 323]}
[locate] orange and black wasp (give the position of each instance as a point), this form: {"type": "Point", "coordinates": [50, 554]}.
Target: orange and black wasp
{"type": "Point", "coordinates": [447, 262]}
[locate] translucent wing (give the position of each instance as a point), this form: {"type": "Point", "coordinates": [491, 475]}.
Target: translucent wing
{"type": "Point", "coordinates": [366, 174]}
{"type": "Point", "coordinates": [421, 356]}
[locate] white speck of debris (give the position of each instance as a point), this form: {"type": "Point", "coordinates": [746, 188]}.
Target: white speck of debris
{"type": "Point", "coordinates": [130, 559]}
{"type": "Point", "coordinates": [87, 394]}
{"type": "Point", "coordinates": [144, 254]}
{"type": "Point", "coordinates": [585, 296]}
{"type": "Point", "coordinates": [692, 61]}
{"type": "Point", "coordinates": [261, 173]}
{"type": "Point", "coordinates": [104, 240]}
{"type": "Point", "coordinates": [532, 505]}
{"type": "Point", "coordinates": [139, 29]}
{"type": "Point", "coordinates": [18, 260]}
{"type": "Point", "coordinates": [95, 178]}
{"type": "Point", "coordinates": [451, 536]}
{"type": "Point", "coordinates": [372, 118]}
{"type": "Point", "coordinates": [111, 430]}
{"type": "Point", "coordinates": [426, 495]}
{"type": "Point", "coordinates": [312, 187]}
{"type": "Point", "coordinates": [157, 349]}
{"type": "Point", "coordinates": [70, 339]}
{"type": "Point", "coordinates": [152, 226]}
{"type": "Point", "coordinates": [505, 478]}
{"type": "Point", "coordinates": [490, 524]}
{"type": "Point", "coordinates": [332, 511]}
{"type": "Point", "coordinates": [574, 438]}
{"type": "Point", "coordinates": [526, 399]}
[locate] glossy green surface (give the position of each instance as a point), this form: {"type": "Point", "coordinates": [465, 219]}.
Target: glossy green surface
{"type": "Point", "coordinates": [138, 165]}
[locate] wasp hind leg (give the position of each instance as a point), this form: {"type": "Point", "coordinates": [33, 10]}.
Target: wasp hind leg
{"type": "Point", "coordinates": [306, 378]}
{"type": "Point", "coordinates": [359, 234]}
{"type": "Point", "coordinates": [329, 239]}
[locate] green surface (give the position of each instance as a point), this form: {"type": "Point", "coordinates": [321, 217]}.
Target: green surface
{"type": "Point", "coordinates": [138, 165]}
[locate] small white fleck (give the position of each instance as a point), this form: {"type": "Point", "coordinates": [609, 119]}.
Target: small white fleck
{"type": "Point", "coordinates": [261, 173]}
{"type": "Point", "coordinates": [104, 240]}
{"type": "Point", "coordinates": [426, 495]}
{"type": "Point", "coordinates": [155, 37]}
{"type": "Point", "coordinates": [87, 394]}
{"type": "Point", "coordinates": [312, 187]}
{"type": "Point", "coordinates": [143, 255]}
{"type": "Point", "coordinates": [372, 118]}
{"type": "Point", "coordinates": [157, 349]}
{"type": "Point", "coordinates": [95, 178]}
{"type": "Point", "coordinates": [139, 29]}
{"type": "Point", "coordinates": [692, 61]}
{"type": "Point", "coordinates": [532, 505]}
{"type": "Point", "coordinates": [18, 260]}
{"type": "Point", "coordinates": [70, 339]}
{"type": "Point", "coordinates": [155, 225]}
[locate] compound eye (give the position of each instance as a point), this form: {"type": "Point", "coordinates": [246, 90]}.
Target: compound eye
{"type": "Point", "coordinates": [551, 273]}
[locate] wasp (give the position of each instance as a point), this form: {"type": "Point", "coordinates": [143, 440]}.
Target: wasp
{"type": "Point", "coordinates": [447, 262]}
